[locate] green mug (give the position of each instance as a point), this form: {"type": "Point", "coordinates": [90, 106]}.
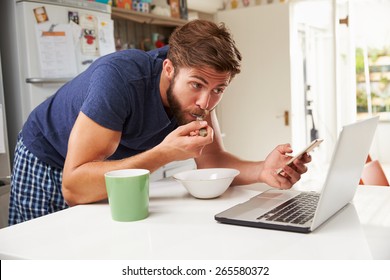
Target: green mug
{"type": "Point", "coordinates": [128, 194]}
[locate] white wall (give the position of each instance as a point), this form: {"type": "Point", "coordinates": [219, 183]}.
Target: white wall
{"type": "Point", "coordinates": [206, 6]}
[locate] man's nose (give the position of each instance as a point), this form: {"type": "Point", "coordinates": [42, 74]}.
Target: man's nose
{"type": "Point", "coordinates": [203, 100]}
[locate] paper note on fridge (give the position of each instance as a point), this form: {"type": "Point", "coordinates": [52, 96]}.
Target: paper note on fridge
{"type": "Point", "coordinates": [56, 50]}
{"type": "Point", "coordinates": [106, 38]}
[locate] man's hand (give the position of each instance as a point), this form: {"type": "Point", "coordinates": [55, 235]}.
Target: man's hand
{"type": "Point", "coordinates": [278, 159]}
{"type": "Point", "coordinates": [186, 142]}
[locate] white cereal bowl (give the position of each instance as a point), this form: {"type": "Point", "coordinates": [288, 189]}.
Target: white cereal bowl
{"type": "Point", "coordinates": [207, 183]}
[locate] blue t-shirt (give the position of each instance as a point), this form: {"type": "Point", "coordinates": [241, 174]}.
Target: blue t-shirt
{"type": "Point", "coordinates": [119, 91]}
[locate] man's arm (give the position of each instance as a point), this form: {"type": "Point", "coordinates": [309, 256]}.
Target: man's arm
{"type": "Point", "coordinates": [90, 144]}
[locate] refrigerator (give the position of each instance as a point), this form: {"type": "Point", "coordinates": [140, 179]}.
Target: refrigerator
{"type": "Point", "coordinates": [4, 161]}
{"type": "Point", "coordinates": [44, 44]}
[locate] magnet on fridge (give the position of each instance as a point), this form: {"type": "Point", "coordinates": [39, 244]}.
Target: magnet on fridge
{"type": "Point", "coordinates": [40, 14]}
{"type": "Point", "coordinates": [73, 16]}
{"type": "Point", "coordinates": [89, 42]}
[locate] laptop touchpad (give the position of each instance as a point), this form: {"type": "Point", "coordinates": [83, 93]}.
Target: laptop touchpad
{"type": "Point", "coordinates": [257, 205]}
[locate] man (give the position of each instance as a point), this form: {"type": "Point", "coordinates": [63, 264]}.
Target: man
{"type": "Point", "coordinates": [133, 109]}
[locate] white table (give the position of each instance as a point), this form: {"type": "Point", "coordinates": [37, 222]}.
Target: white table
{"type": "Point", "coordinates": [183, 227]}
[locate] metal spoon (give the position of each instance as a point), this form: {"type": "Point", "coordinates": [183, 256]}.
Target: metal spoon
{"type": "Point", "coordinates": [202, 131]}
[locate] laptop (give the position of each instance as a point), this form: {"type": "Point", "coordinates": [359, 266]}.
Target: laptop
{"type": "Point", "coordinates": [298, 211]}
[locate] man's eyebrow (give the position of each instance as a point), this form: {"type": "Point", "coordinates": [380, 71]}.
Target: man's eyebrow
{"type": "Point", "coordinates": [205, 81]}
{"type": "Point", "coordinates": [200, 78]}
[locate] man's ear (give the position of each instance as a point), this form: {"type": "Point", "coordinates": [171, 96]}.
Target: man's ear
{"type": "Point", "coordinates": [168, 68]}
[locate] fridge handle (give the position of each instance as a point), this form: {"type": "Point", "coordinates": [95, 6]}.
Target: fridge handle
{"type": "Point", "coordinates": [47, 80]}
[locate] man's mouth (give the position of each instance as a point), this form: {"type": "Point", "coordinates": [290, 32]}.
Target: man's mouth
{"type": "Point", "coordinates": [201, 115]}
{"type": "Point", "coordinates": [198, 116]}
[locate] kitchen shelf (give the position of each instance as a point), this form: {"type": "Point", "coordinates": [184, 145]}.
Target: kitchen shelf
{"type": "Point", "coordinates": [148, 18]}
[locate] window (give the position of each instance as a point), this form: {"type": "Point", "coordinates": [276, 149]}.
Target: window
{"type": "Point", "coordinates": [373, 58]}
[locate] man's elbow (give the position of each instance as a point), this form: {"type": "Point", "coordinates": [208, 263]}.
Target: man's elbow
{"type": "Point", "coordinates": [70, 197]}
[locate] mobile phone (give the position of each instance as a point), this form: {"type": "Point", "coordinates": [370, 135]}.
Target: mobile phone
{"type": "Point", "coordinates": [308, 149]}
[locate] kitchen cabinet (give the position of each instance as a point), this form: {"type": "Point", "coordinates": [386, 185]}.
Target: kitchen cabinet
{"type": "Point", "coordinates": [120, 13]}
{"type": "Point", "coordinates": [139, 30]}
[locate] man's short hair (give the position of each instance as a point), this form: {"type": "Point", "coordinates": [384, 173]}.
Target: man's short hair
{"type": "Point", "coordinates": [202, 43]}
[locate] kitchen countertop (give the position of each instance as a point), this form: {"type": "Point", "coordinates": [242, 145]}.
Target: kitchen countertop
{"type": "Point", "coordinates": [182, 227]}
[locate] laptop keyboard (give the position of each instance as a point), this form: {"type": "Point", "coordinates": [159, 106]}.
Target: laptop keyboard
{"type": "Point", "coordinates": [297, 210]}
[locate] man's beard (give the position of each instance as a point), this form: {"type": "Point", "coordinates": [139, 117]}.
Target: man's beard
{"type": "Point", "coordinates": [174, 105]}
